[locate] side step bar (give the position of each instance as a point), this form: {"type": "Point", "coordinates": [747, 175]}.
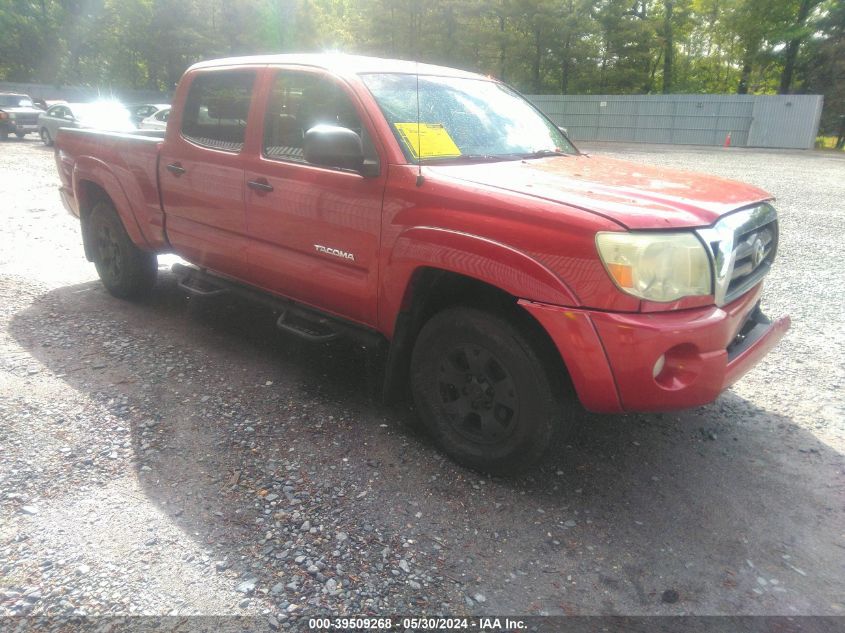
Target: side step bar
{"type": "Point", "coordinates": [194, 282]}
{"type": "Point", "coordinates": [314, 330]}
{"type": "Point", "coordinates": [301, 321]}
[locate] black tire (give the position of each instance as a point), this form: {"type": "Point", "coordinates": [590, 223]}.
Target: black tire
{"type": "Point", "coordinates": [45, 137]}
{"type": "Point", "coordinates": [126, 271]}
{"type": "Point", "coordinates": [484, 391]}
{"type": "Point", "coordinates": [20, 134]}
{"type": "Point", "coordinates": [4, 135]}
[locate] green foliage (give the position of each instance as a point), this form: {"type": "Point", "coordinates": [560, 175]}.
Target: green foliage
{"type": "Point", "coordinates": [574, 46]}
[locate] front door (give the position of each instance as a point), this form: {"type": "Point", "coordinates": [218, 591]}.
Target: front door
{"type": "Point", "coordinates": [201, 172]}
{"type": "Point", "coordinates": [314, 230]}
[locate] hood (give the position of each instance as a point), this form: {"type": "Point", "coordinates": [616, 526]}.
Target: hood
{"type": "Point", "coordinates": [635, 195]}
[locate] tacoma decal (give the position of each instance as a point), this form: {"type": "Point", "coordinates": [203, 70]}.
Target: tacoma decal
{"type": "Point", "coordinates": [334, 251]}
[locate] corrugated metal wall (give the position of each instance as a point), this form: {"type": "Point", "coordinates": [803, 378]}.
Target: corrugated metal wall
{"type": "Point", "coordinates": [82, 93]}
{"type": "Point", "coordinates": [787, 121]}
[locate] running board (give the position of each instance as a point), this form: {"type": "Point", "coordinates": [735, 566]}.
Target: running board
{"type": "Point", "coordinates": [307, 326]}
{"type": "Point", "coordinates": [194, 282]}
{"type": "Point", "coordinates": [300, 321]}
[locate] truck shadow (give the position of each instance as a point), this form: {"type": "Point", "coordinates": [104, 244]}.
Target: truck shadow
{"type": "Point", "coordinates": [238, 430]}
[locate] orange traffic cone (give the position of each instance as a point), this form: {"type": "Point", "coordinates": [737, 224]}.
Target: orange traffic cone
{"type": "Point", "coordinates": [728, 140]}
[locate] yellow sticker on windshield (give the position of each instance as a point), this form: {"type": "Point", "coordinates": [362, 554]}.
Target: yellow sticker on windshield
{"type": "Point", "coordinates": [431, 141]}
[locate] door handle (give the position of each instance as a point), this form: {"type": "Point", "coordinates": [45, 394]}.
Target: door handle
{"type": "Point", "coordinates": [176, 169]}
{"type": "Point", "coordinates": [260, 185]}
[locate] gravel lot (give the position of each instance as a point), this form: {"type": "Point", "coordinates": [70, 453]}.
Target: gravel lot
{"type": "Point", "coordinates": [184, 457]}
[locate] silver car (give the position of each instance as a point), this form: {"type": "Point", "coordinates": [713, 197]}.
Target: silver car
{"type": "Point", "coordinates": [101, 115]}
{"type": "Point", "coordinates": [158, 121]}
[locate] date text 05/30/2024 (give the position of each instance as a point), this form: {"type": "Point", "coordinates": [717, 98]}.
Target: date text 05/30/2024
{"type": "Point", "coordinates": [417, 624]}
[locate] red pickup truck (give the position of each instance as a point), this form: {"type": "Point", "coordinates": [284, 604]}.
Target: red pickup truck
{"type": "Point", "coordinates": [439, 213]}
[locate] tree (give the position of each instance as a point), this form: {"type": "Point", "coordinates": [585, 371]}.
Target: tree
{"type": "Point", "coordinates": [797, 32]}
{"type": "Point", "coordinates": [823, 66]}
{"type": "Point", "coordinates": [570, 46]}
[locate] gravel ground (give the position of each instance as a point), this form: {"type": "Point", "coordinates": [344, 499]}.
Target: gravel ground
{"type": "Point", "coordinates": [183, 457]}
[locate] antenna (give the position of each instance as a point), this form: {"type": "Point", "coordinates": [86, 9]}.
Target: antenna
{"type": "Point", "coordinates": [420, 178]}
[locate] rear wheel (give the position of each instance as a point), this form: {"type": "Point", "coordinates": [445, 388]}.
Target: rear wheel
{"type": "Point", "coordinates": [126, 271]}
{"type": "Point", "coordinates": [484, 391]}
{"type": "Point", "coordinates": [45, 137]}
{"type": "Point", "coordinates": [4, 135]}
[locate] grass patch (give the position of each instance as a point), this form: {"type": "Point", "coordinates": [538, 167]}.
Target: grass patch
{"type": "Point", "coordinates": [827, 142]}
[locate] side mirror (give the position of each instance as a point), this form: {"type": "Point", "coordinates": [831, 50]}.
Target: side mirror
{"type": "Point", "coordinates": [333, 146]}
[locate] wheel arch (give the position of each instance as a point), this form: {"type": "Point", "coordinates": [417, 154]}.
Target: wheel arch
{"type": "Point", "coordinates": [93, 182]}
{"type": "Point", "coordinates": [431, 290]}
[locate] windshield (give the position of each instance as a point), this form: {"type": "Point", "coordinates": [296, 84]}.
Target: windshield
{"type": "Point", "coordinates": [15, 101]}
{"type": "Point", "coordinates": [463, 119]}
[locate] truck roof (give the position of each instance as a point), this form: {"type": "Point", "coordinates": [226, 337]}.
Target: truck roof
{"type": "Point", "coordinates": [341, 63]}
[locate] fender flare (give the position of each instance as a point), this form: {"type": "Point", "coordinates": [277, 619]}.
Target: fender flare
{"type": "Point", "coordinates": [491, 262]}
{"type": "Point", "coordinates": [89, 169]}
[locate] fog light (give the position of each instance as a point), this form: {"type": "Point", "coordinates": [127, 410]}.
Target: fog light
{"type": "Point", "coordinates": [658, 366]}
{"type": "Point", "coordinates": [679, 367]}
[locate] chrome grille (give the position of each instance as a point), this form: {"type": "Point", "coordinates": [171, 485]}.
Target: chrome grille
{"type": "Point", "coordinates": [753, 256]}
{"type": "Point", "coordinates": [743, 245]}
{"type": "Point", "coordinates": [26, 119]}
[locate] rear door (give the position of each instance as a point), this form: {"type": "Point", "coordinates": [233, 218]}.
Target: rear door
{"type": "Point", "coordinates": [314, 230]}
{"type": "Point", "coordinates": [201, 171]}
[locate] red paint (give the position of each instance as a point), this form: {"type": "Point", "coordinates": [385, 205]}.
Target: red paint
{"type": "Point", "coordinates": [526, 227]}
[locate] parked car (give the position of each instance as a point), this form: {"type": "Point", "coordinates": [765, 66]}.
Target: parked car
{"type": "Point", "coordinates": [143, 111]}
{"type": "Point", "coordinates": [437, 213]}
{"type": "Point", "coordinates": [101, 115]}
{"type": "Point", "coordinates": [18, 115]}
{"type": "Point", "coordinates": [157, 121]}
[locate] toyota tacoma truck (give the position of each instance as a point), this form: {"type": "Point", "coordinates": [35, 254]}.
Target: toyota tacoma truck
{"type": "Point", "coordinates": [439, 214]}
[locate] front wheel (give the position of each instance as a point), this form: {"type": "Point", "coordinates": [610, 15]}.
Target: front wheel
{"type": "Point", "coordinates": [20, 134]}
{"type": "Point", "coordinates": [4, 135]}
{"type": "Point", "coordinates": [126, 271]}
{"type": "Point", "coordinates": [484, 390]}
{"type": "Point", "coordinates": [45, 137]}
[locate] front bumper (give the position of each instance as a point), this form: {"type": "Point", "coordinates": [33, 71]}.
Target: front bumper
{"type": "Point", "coordinates": [20, 128]}
{"type": "Point", "coordinates": [614, 359]}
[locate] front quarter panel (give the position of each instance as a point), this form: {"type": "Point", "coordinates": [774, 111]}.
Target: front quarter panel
{"type": "Point", "coordinates": [530, 249]}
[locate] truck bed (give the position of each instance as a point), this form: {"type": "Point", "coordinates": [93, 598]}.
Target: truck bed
{"type": "Point", "coordinates": [125, 166]}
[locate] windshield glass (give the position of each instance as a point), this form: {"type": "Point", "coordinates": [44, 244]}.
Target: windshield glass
{"type": "Point", "coordinates": [463, 119]}
{"type": "Point", "coordinates": [15, 101]}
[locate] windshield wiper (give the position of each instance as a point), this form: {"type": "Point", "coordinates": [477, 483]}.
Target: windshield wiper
{"type": "Point", "coordinates": [471, 158]}
{"type": "Point", "coordinates": [543, 153]}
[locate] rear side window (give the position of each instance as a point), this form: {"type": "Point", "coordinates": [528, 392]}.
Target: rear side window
{"type": "Point", "coordinates": [216, 109]}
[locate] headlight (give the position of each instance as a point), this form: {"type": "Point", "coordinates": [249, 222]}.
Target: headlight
{"type": "Point", "coordinates": [656, 266]}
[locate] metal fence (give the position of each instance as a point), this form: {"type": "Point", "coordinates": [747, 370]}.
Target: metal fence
{"type": "Point", "coordinates": [83, 93]}
{"type": "Point", "coordinates": [782, 121]}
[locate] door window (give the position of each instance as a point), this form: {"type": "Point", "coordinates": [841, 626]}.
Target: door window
{"type": "Point", "coordinates": [216, 109]}
{"type": "Point", "coordinates": [298, 101]}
